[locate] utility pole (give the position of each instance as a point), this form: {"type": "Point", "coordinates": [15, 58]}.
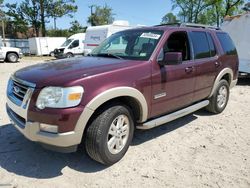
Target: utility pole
{"type": "Point", "coordinates": [3, 31]}
{"type": "Point", "coordinates": [4, 44]}
{"type": "Point", "coordinates": [92, 13]}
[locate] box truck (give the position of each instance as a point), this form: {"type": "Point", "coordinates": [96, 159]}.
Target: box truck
{"type": "Point", "coordinates": [96, 34]}
{"type": "Point", "coordinates": [44, 45]}
{"type": "Point", "coordinates": [73, 46]}
{"type": "Point", "coordinates": [238, 27]}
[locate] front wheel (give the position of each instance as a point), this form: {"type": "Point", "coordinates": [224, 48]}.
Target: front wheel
{"type": "Point", "coordinates": [218, 101]}
{"type": "Point", "coordinates": [110, 134]}
{"type": "Point", "coordinates": [69, 55]}
{"type": "Point", "coordinates": [12, 57]}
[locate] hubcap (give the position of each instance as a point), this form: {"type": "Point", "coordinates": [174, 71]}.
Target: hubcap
{"type": "Point", "coordinates": [13, 58]}
{"type": "Point", "coordinates": [222, 97]}
{"type": "Point", "coordinates": [118, 134]}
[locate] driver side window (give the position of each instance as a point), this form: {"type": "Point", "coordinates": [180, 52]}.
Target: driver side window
{"type": "Point", "coordinates": [178, 42]}
{"type": "Point", "coordinates": [74, 44]}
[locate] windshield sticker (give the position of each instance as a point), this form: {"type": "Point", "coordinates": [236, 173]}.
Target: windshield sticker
{"type": "Point", "coordinates": [150, 36]}
{"type": "Point", "coordinates": [143, 54]}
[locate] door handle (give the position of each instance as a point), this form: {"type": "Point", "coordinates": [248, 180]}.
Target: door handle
{"type": "Point", "coordinates": [189, 69]}
{"type": "Point", "coordinates": [217, 64]}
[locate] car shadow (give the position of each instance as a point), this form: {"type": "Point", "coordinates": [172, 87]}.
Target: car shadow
{"type": "Point", "coordinates": [243, 81]}
{"type": "Point", "coordinates": [23, 157]}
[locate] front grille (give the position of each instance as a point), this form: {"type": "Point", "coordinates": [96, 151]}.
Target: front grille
{"type": "Point", "coordinates": [18, 90]}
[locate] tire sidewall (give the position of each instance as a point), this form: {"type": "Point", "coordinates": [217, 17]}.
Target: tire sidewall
{"type": "Point", "coordinates": [113, 158]}
{"type": "Point", "coordinates": [221, 84]}
{"type": "Point", "coordinates": [9, 57]}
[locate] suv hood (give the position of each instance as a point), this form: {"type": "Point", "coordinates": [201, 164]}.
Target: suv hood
{"type": "Point", "coordinates": [62, 72]}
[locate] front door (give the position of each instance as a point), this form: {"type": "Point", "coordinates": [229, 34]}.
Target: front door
{"type": "Point", "coordinates": [173, 85]}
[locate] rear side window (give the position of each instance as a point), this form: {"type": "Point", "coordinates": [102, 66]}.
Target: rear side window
{"type": "Point", "coordinates": [200, 45]}
{"type": "Point", "coordinates": [211, 45]}
{"type": "Point", "coordinates": [226, 43]}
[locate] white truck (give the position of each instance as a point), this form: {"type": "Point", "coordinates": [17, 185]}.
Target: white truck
{"type": "Point", "coordinates": [9, 54]}
{"type": "Point", "coordinates": [73, 46]}
{"type": "Point", "coordinates": [44, 45]}
{"type": "Point", "coordinates": [96, 34]}
{"type": "Point", "coordinates": [238, 27]}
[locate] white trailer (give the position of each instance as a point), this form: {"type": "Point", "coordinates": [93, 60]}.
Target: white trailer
{"type": "Point", "coordinates": [44, 45]}
{"type": "Point", "coordinates": [96, 34]}
{"type": "Point", "coordinates": [238, 27]}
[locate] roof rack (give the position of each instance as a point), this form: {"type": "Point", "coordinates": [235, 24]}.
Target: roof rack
{"type": "Point", "coordinates": [190, 25]}
{"type": "Point", "coordinates": [199, 26]}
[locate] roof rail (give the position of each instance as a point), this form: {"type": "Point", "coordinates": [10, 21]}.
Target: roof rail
{"type": "Point", "coordinates": [168, 24]}
{"type": "Point", "coordinates": [199, 26]}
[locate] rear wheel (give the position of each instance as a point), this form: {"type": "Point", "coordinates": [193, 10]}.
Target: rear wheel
{"type": "Point", "coordinates": [12, 57]}
{"type": "Point", "coordinates": [219, 100]}
{"type": "Point", "coordinates": [110, 134]}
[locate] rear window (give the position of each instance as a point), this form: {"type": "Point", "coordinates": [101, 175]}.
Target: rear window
{"type": "Point", "coordinates": [200, 45]}
{"type": "Point", "coordinates": [226, 43]}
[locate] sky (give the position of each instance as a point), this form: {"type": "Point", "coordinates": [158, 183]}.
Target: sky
{"type": "Point", "coordinates": [144, 12]}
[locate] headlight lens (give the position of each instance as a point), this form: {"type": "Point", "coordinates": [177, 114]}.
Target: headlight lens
{"type": "Point", "coordinates": [58, 97]}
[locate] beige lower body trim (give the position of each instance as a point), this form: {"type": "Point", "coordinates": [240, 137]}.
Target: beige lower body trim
{"type": "Point", "coordinates": [233, 83]}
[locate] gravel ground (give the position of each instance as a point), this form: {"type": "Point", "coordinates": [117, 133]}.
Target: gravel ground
{"type": "Point", "coordinates": [199, 150]}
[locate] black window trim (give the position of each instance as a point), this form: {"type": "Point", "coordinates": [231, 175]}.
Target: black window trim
{"type": "Point", "coordinates": [216, 49]}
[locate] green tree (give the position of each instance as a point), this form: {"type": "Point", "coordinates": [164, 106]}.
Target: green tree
{"type": "Point", "coordinates": [37, 12]}
{"type": "Point", "coordinates": [169, 18]}
{"type": "Point", "coordinates": [24, 14]}
{"type": "Point", "coordinates": [101, 16]}
{"type": "Point", "coordinates": [191, 9]}
{"type": "Point", "coordinates": [76, 27]}
{"type": "Point", "coordinates": [59, 8]}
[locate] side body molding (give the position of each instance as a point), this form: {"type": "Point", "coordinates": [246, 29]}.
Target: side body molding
{"type": "Point", "coordinates": [106, 96]}
{"type": "Point", "coordinates": [218, 78]}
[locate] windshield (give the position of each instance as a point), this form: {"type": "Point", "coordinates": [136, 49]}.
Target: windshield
{"type": "Point", "coordinates": [67, 42]}
{"type": "Point", "coordinates": [129, 44]}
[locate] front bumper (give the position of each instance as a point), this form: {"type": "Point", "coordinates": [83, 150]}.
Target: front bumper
{"type": "Point", "coordinates": [31, 130]}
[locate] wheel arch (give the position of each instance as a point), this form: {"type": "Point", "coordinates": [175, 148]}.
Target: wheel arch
{"type": "Point", "coordinates": [7, 53]}
{"type": "Point", "coordinates": [226, 74]}
{"type": "Point", "coordinates": [127, 95]}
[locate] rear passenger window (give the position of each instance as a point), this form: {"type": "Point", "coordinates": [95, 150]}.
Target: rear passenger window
{"type": "Point", "coordinates": [226, 43]}
{"type": "Point", "coordinates": [200, 44]}
{"type": "Point", "coordinates": [211, 45]}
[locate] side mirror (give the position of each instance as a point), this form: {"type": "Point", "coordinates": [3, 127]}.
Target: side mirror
{"type": "Point", "coordinates": [169, 58]}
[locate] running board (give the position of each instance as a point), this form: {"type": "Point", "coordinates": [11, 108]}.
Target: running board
{"type": "Point", "coordinates": [170, 117]}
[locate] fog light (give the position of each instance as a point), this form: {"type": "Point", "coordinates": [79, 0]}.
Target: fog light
{"type": "Point", "coordinates": [49, 128]}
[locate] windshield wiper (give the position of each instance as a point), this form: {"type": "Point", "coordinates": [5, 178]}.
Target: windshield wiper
{"type": "Point", "coordinates": [108, 55]}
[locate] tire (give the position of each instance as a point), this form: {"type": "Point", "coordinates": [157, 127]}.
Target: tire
{"type": "Point", "coordinates": [12, 57]}
{"type": "Point", "coordinates": [69, 55]}
{"type": "Point", "coordinates": [219, 100]}
{"type": "Point", "coordinates": [106, 139]}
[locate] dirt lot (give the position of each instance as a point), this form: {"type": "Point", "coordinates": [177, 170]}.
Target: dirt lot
{"type": "Point", "coordinates": [199, 150]}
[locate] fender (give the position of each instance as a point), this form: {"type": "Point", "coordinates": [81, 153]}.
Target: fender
{"type": "Point", "coordinates": [104, 97]}
{"type": "Point", "coordinates": [218, 78]}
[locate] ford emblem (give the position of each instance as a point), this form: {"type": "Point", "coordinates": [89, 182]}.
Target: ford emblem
{"type": "Point", "coordinates": [16, 89]}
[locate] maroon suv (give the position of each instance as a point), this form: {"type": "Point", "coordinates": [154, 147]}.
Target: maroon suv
{"type": "Point", "coordinates": [138, 78]}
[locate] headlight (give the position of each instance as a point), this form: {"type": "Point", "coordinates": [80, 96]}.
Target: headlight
{"type": "Point", "coordinates": [58, 97]}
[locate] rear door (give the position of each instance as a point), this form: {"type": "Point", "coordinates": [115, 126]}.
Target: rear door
{"type": "Point", "coordinates": [206, 63]}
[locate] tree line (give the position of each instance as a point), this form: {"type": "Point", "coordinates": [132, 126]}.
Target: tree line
{"type": "Point", "coordinates": [29, 18]}
{"type": "Point", "coordinates": [211, 12]}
